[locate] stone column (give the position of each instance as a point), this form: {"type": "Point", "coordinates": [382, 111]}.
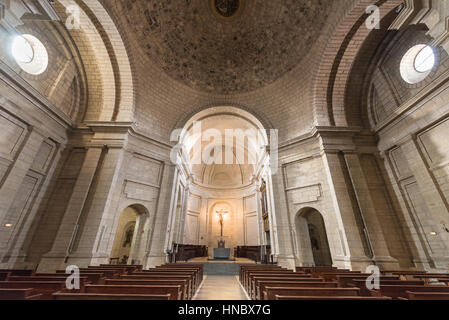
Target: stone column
{"type": "Point", "coordinates": [352, 253]}
{"type": "Point", "coordinates": [171, 225]}
{"type": "Point", "coordinates": [416, 246]}
{"type": "Point", "coordinates": [203, 222]}
{"type": "Point", "coordinates": [18, 253]}
{"type": "Point", "coordinates": [431, 193]}
{"type": "Point", "coordinates": [156, 254]}
{"type": "Point", "coordinates": [281, 242]}
{"type": "Point", "coordinates": [262, 240]}
{"type": "Point", "coordinates": [67, 231]}
{"type": "Point", "coordinates": [18, 170]}
{"type": "Point", "coordinates": [368, 212]}
{"type": "Point", "coordinates": [98, 215]}
{"type": "Point", "coordinates": [182, 221]}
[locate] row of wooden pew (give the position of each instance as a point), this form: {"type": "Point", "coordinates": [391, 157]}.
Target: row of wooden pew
{"type": "Point", "coordinates": [105, 282]}
{"type": "Point", "coordinates": [263, 282]}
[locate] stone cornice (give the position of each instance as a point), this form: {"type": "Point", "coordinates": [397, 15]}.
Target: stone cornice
{"type": "Point", "coordinates": [409, 106]}
{"type": "Point", "coordinates": [124, 127]}
{"type": "Point", "coordinates": [12, 79]}
{"type": "Point", "coordinates": [319, 131]}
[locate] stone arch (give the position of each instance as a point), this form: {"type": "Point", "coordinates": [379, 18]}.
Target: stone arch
{"type": "Point", "coordinates": [332, 76]}
{"type": "Point", "coordinates": [362, 99]}
{"type": "Point", "coordinates": [237, 109]}
{"type": "Point", "coordinates": [134, 216]}
{"type": "Point", "coordinates": [111, 95]}
{"type": "Point", "coordinates": [313, 247]}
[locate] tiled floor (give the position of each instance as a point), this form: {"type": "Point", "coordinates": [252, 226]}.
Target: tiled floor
{"type": "Point", "coordinates": [221, 288]}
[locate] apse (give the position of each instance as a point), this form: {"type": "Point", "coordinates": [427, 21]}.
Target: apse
{"type": "Point", "coordinates": [223, 152]}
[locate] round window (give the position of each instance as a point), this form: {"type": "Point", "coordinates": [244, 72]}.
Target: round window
{"type": "Point", "coordinates": [425, 59]}
{"type": "Point", "coordinates": [417, 63]}
{"type": "Point", "coordinates": [30, 54]}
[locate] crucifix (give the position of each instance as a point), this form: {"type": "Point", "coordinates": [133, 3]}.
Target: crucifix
{"type": "Point", "coordinates": [221, 213]}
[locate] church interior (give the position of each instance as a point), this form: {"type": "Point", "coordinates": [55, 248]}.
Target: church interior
{"type": "Point", "coordinates": [224, 150]}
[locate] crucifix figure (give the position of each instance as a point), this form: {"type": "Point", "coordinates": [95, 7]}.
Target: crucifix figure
{"type": "Point", "coordinates": [220, 214]}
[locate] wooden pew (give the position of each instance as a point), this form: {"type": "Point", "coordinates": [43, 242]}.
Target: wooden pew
{"type": "Point", "coordinates": [193, 271]}
{"type": "Point", "coordinates": [334, 275]}
{"type": "Point", "coordinates": [126, 269]}
{"type": "Point", "coordinates": [119, 270]}
{"type": "Point", "coordinates": [246, 273]}
{"type": "Point", "coordinates": [18, 272]}
{"type": "Point", "coordinates": [263, 284]}
{"type": "Point", "coordinates": [437, 275]}
{"type": "Point", "coordinates": [190, 265]}
{"type": "Point", "coordinates": [196, 269]}
{"type": "Point", "coordinates": [427, 295]}
{"type": "Point", "coordinates": [346, 281]}
{"type": "Point", "coordinates": [251, 275]}
{"type": "Point", "coordinates": [132, 267]}
{"type": "Point", "coordinates": [319, 273]}
{"type": "Point", "coordinates": [271, 292]}
{"type": "Point", "coordinates": [194, 284]}
{"type": "Point", "coordinates": [244, 268]}
{"type": "Point", "coordinates": [19, 294]}
{"type": "Point", "coordinates": [252, 290]}
{"type": "Point", "coordinates": [190, 286]}
{"type": "Point", "coordinates": [83, 280]}
{"type": "Point", "coordinates": [175, 292]}
{"type": "Point", "coordinates": [342, 298]}
{"type": "Point", "coordinates": [428, 277]}
{"type": "Point", "coordinates": [46, 288]}
{"type": "Point", "coordinates": [404, 274]}
{"type": "Point", "coordinates": [183, 284]}
{"type": "Point", "coordinates": [318, 269]}
{"type": "Point", "coordinates": [105, 273]}
{"type": "Point", "coordinates": [364, 291]}
{"type": "Point", "coordinates": [4, 275]}
{"type": "Point", "coordinates": [93, 278]}
{"type": "Point", "coordinates": [397, 291]}
{"type": "Point", "coordinates": [248, 268]}
{"type": "Point", "coordinates": [105, 296]}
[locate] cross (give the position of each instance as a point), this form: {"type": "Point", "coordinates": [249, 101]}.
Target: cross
{"type": "Point", "coordinates": [220, 214]}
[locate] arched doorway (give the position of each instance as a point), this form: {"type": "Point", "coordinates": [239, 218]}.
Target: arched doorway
{"type": "Point", "coordinates": [126, 248]}
{"type": "Point", "coordinates": [313, 245]}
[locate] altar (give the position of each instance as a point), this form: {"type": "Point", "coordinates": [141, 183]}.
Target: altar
{"type": "Point", "coordinates": [222, 253]}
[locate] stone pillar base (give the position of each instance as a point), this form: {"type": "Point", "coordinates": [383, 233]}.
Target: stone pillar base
{"type": "Point", "coordinates": [441, 264]}
{"type": "Point", "coordinates": [387, 263]}
{"type": "Point", "coordinates": [353, 263]}
{"type": "Point", "coordinates": [288, 262]}
{"type": "Point", "coordinates": [16, 261]}
{"type": "Point", "coordinates": [154, 261]}
{"type": "Point", "coordinates": [50, 264]}
{"type": "Point", "coordinates": [421, 264]}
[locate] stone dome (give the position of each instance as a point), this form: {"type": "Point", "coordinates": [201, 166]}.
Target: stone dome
{"type": "Point", "coordinates": [226, 46]}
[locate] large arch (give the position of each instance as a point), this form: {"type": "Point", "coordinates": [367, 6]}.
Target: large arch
{"type": "Point", "coordinates": [332, 76]}
{"type": "Point", "coordinates": [111, 88]}
{"type": "Point", "coordinates": [210, 183]}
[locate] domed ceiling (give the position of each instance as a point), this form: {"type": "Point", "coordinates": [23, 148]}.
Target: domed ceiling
{"type": "Point", "coordinates": [226, 46]}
